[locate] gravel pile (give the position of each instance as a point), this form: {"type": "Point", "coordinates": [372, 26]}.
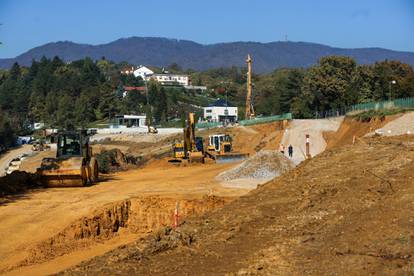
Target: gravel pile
{"type": "Point", "coordinates": [265, 164]}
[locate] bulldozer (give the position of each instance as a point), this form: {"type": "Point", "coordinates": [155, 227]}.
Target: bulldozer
{"type": "Point", "coordinates": [192, 147]}
{"type": "Point", "coordinates": [73, 166]}
{"type": "Point", "coordinates": [220, 149]}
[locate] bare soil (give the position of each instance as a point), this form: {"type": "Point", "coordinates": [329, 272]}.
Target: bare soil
{"type": "Point", "coordinates": [347, 211]}
{"type": "Point", "coordinates": [48, 212]}
{"type": "Point", "coordinates": [45, 231]}
{"type": "Point", "coordinates": [351, 127]}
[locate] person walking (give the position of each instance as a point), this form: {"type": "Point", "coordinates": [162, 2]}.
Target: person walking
{"type": "Point", "coordinates": [290, 151]}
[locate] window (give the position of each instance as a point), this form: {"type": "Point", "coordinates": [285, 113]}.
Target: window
{"type": "Point", "coordinates": [69, 144]}
{"type": "Point", "coordinates": [208, 110]}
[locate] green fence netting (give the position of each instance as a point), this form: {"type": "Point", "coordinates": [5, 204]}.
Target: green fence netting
{"type": "Point", "coordinates": [262, 120]}
{"type": "Point", "coordinates": [208, 125]}
{"type": "Point", "coordinates": [398, 103]}
{"type": "Point", "coordinates": [259, 120]}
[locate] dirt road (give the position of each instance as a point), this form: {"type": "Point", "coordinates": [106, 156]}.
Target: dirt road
{"type": "Point", "coordinates": [10, 155]}
{"type": "Point", "coordinates": [44, 213]}
{"type": "Point", "coordinates": [295, 136]}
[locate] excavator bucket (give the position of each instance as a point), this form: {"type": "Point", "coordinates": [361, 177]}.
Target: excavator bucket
{"type": "Point", "coordinates": [230, 157]}
{"type": "Point", "coordinates": [68, 172]}
{"type": "Point", "coordinates": [196, 157]}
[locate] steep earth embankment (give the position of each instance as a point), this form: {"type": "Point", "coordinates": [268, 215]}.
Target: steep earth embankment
{"type": "Point", "coordinates": [347, 211]}
{"type": "Point", "coordinates": [351, 127]}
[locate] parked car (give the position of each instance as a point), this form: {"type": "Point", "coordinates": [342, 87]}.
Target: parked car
{"type": "Point", "coordinates": [14, 165]}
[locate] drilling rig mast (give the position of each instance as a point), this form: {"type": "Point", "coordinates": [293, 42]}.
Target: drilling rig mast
{"type": "Point", "coordinates": [249, 105]}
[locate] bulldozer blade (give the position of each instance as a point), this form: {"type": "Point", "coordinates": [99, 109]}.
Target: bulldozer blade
{"type": "Point", "coordinates": [175, 160]}
{"type": "Point", "coordinates": [230, 158]}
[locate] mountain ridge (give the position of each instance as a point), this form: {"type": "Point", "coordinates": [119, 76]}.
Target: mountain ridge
{"type": "Point", "coordinates": [161, 51]}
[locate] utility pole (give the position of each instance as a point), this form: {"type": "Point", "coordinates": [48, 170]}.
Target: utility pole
{"type": "Point", "coordinates": [249, 106]}
{"type": "Point", "coordinates": [148, 109]}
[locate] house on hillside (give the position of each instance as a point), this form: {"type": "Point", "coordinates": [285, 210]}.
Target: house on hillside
{"type": "Point", "coordinates": [220, 111]}
{"type": "Point", "coordinates": [171, 79]}
{"type": "Point", "coordinates": [126, 121]}
{"type": "Point", "coordinates": [143, 72]}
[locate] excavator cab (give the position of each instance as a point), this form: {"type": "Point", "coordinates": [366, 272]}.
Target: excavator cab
{"type": "Point", "coordinates": [74, 165]}
{"type": "Point", "coordinates": [220, 143]}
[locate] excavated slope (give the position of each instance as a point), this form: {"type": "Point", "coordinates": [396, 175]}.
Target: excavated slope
{"type": "Point", "coordinates": [349, 211]}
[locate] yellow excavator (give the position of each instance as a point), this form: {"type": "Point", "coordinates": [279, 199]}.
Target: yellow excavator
{"type": "Point", "coordinates": [73, 166]}
{"type": "Point", "coordinates": [191, 148]}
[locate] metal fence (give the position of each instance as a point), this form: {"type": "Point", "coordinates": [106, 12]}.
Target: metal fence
{"type": "Point", "coordinates": [255, 121]}
{"type": "Point", "coordinates": [268, 119]}
{"type": "Point", "coordinates": [209, 124]}
{"type": "Point", "coordinates": [398, 103]}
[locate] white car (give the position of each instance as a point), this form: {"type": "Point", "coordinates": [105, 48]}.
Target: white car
{"type": "Point", "coordinates": [15, 162]}
{"type": "Point", "coordinates": [11, 169]}
{"type": "Point", "coordinates": [14, 165]}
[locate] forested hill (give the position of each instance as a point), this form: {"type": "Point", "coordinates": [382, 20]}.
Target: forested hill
{"type": "Point", "coordinates": [188, 54]}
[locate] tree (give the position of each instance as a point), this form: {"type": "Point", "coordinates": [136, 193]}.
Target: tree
{"type": "Point", "coordinates": [292, 89]}
{"type": "Point", "coordinates": [65, 117]}
{"type": "Point", "coordinates": [160, 106]}
{"type": "Point", "coordinates": [108, 103]}
{"type": "Point", "coordinates": [386, 73]}
{"type": "Point", "coordinates": [329, 83]}
{"type": "Point", "coordinates": [7, 134]}
{"type": "Point", "coordinates": [84, 113]}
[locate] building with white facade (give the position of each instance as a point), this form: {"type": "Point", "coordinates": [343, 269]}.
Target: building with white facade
{"type": "Point", "coordinates": [220, 111]}
{"type": "Point", "coordinates": [143, 72]}
{"type": "Point", "coordinates": [170, 79]}
{"type": "Point", "coordinates": [126, 121]}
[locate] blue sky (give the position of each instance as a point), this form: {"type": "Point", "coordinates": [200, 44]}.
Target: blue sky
{"type": "Point", "coordinates": [349, 24]}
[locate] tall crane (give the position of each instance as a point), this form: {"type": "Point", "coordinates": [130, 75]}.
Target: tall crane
{"type": "Point", "coordinates": [249, 105]}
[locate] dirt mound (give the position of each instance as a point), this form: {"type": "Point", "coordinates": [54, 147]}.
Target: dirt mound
{"type": "Point", "coordinates": [250, 139]}
{"type": "Point", "coordinates": [115, 160]}
{"type": "Point", "coordinates": [17, 182]}
{"type": "Point", "coordinates": [347, 211]}
{"type": "Point", "coordinates": [266, 164]}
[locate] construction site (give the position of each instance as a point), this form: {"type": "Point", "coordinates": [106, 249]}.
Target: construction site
{"type": "Point", "coordinates": [223, 201]}
{"type": "Point", "coordinates": [264, 196]}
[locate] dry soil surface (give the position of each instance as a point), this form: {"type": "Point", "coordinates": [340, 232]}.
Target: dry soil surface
{"type": "Point", "coordinates": [348, 211]}
{"type": "Point", "coordinates": [30, 219]}
{"type": "Point", "coordinates": [399, 126]}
